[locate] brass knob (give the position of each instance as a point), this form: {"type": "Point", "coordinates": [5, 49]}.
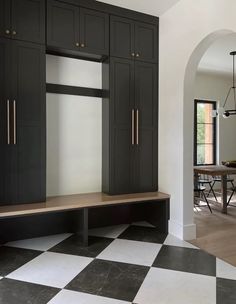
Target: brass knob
{"type": "Point", "coordinates": [77, 44]}
{"type": "Point", "coordinates": [14, 33]}
{"type": "Point", "coordinates": [137, 55]}
{"type": "Point", "coordinates": [82, 45]}
{"type": "Point", "coordinates": [7, 32]}
{"type": "Point", "coordinates": [133, 54]}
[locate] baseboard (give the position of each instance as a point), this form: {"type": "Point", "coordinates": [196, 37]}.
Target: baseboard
{"type": "Point", "coordinates": [183, 232]}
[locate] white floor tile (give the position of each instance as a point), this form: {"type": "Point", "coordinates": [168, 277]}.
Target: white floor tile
{"type": "Point", "coordinates": [72, 297]}
{"type": "Point", "coordinates": [42, 243]}
{"type": "Point", "coordinates": [132, 252]}
{"type": "Point", "coordinates": [174, 287]}
{"type": "Point", "coordinates": [109, 232]}
{"type": "Point", "coordinates": [225, 270]}
{"type": "Point", "coordinates": [174, 241]}
{"type": "Point", "coordinates": [143, 224]}
{"type": "Point", "coordinates": [52, 269]}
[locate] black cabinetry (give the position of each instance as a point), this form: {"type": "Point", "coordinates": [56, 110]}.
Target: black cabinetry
{"type": "Point", "coordinates": [77, 29]}
{"type": "Point", "coordinates": [133, 40]}
{"type": "Point", "coordinates": [22, 113]}
{"type": "Point", "coordinates": [23, 20]}
{"type": "Point", "coordinates": [130, 127]}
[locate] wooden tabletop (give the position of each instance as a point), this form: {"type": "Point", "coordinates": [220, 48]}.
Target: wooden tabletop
{"type": "Point", "coordinates": [214, 170]}
{"type": "Point", "coordinates": [79, 201]}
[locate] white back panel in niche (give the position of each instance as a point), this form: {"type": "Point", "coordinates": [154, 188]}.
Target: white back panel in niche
{"type": "Point", "coordinates": [74, 144]}
{"type": "Point", "coordinates": [74, 129]}
{"type": "Point", "coordinates": [73, 72]}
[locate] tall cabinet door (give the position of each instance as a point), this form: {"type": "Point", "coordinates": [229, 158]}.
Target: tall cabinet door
{"type": "Point", "coordinates": [122, 37]}
{"type": "Point", "coordinates": [28, 20]}
{"type": "Point", "coordinates": [62, 25]}
{"type": "Point", "coordinates": [122, 103]}
{"type": "Point", "coordinates": [147, 122]}
{"type": "Point", "coordinates": [29, 93]}
{"type": "Point", "coordinates": [94, 32]}
{"type": "Point", "coordinates": [5, 18]}
{"type": "Point", "coordinates": [5, 123]}
{"type": "Point", "coordinates": [146, 42]}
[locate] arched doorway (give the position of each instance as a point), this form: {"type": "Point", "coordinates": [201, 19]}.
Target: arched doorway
{"type": "Point", "coordinates": [188, 126]}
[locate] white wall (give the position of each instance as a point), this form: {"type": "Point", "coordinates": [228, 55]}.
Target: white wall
{"type": "Point", "coordinates": [211, 86]}
{"type": "Point", "coordinates": [74, 129]}
{"type": "Point", "coordinates": [186, 31]}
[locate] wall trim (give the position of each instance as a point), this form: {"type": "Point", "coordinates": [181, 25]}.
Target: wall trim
{"type": "Point", "coordinates": [183, 232]}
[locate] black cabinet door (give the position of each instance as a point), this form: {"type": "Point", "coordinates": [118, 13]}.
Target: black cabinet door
{"type": "Point", "coordinates": [28, 98]}
{"type": "Point", "coordinates": [146, 42]}
{"type": "Point", "coordinates": [146, 148]}
{"type": "Point", "coordinates": [62, 25]}
{"type": "Point", "coordinates": [94, 32]}
{"type": "Point", "coordinates": [5, 18]}
{"type": "Point", "coordinates": [6, 187]}
{"type": "Point", "coordinates": [28, 20]}
{"type": "Point", "coordinates": [122, 37]}
{"type": "Point", "coordinates": [121, 105]}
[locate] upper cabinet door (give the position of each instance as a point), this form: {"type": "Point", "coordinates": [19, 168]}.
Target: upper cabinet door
{"type": "Point", "coordinates": [94, 32]}
{"type": "Point", "coordinates": [62, 25]}
{"type": "Point", "coordinates": [28, 20]}
{"type": "Point", "coordinates": [146, 42]}
{"type": "Point", "coordinates": [122, 37]}
{"type": "Point", "coordinates": [5, 18]}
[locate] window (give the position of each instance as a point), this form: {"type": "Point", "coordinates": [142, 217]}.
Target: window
{"type": "Point", "coordinates": [204, 133]}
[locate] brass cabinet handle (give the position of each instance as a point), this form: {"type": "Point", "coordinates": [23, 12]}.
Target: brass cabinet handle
{"type": "Point", "coordinates": [14, 33]}
{"type": "Point", "coordinates": [77, 44]}
{"type": "Point", "coordinates": [14, 120]}
{"type": "Point", "coordinates": [133, 54]}
{"type": "Point", "coordinates": [8, 122]}
{"type": "Point", "coordinates": [132, 140]}
{"type": "Point", "coordinates": [137, 127]}
{"type": "Point", "coordinates": [137, 55]}
{"type": "Point", "coordinates": [82, 45]}
{"type": "Point", "coordinates": [7, 32]}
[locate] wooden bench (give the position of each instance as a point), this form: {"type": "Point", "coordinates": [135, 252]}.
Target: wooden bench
{"type": "Point", "coordinates": [153, 207]}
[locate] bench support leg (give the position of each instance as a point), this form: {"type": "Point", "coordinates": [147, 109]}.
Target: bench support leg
{"type": "Point", "coordinates": [85, 227]}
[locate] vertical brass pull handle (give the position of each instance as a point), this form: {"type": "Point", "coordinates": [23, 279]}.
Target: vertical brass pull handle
{"type": "Point", "coordinates": [132, 141]}
{"type": "Point", "coordinates": [8, 122]}
{"type": "Point", "coordinates": [14, 119]}
{"type": "Point", "coordinates": [137, 127]}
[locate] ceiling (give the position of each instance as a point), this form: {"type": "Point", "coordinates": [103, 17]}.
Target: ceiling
{"type": "Point", "coordinates": [151, 7]}
{"type": "Point", "coordinates": [217, 58]}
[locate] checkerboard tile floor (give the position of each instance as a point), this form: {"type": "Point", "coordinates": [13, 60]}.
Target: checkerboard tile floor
{"type": "Point", "coordinates": [122, 264]}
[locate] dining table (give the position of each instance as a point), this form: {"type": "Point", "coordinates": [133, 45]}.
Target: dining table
{"type": "Point", "coordinates": [223, 172]}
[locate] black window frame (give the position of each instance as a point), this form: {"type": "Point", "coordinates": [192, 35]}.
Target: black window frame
{"type": "Point", "coordinates": [214, 103]}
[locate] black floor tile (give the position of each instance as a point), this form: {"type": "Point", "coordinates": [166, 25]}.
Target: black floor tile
{"type": "Point", "coordinates": [17, 292]}
{"type": "Point", "coordinates": [110, 279]}
{"type": "Point", "coordinates": [186, 259]}
{"type": "Point", "coordinates": [74, 245]}
{"type": "Point", "coordinates": [144, 234]}
{"type": "Point", "coordinates": [12, 258]}
{"type": "Point", "coordinates": [225, 291]}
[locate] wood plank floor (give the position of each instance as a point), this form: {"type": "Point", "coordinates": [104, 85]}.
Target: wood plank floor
{"type": "Point", "coordinates": [216, 233]}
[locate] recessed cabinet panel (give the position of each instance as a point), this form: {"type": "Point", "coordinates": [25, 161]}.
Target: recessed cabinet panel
{"type": "Point", "coordinates": [146, 42]}
{"type": "Point", "coordinates": [62, 25]}
{"type": "Point", "coordinates": [94, 35]}
{"type": "Point", "coordinates": [123, 97]}
{"type": "Point", "coordinates": [146, 102]}
{"type": "Point", "coordinates": [5, 18]}
{"type": "Point", "coordinates": [28, 20]}
{"type": "Point", "coordinates": [28, 93]}
{"type": "Point", "coordinates": [122, 37]}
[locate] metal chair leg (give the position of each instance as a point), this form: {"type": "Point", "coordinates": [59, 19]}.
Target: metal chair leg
{"type": "Point", "coordinates": [213, 192]}
{"type": "Point", "coordinates": [206, 201]}
{"type": "Point", "coordinates": [230, 197]}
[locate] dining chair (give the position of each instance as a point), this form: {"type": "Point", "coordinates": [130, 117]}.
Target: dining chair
{"type": "Point", "coordinates": [200, 190]}
{"type": "Point", "coordinates": [233, 191]}
{"type": "Point", "coordinates": [207, 180]}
